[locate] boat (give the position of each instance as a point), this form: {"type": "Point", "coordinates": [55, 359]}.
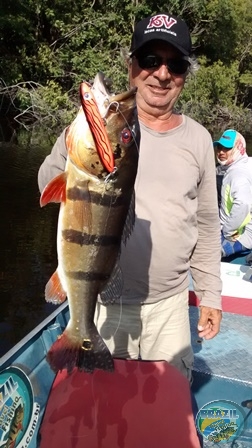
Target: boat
{"type": "Point", "coordinates": [32, 397]}
{"type": "Point", "coordinates": [236, 277]}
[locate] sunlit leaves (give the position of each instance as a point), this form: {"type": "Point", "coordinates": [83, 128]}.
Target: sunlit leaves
{"type": "Point", "coordinates": [58, 44]}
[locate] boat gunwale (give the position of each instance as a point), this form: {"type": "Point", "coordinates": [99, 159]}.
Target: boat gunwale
{"type": "Point", "coordinates": [34, 334]}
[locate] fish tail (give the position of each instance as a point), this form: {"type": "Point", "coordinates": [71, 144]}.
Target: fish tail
{"type": "Point", "coordinates": [88, 354]}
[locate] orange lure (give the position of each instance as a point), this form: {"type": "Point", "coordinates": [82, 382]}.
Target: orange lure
{"type": "Point", "coordinates": [97, 127]}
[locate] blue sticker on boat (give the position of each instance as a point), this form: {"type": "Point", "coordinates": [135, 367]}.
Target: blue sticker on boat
{"type": "Point", "coordinates": [221, 421]}
{"type": "Point", "coordinates": [19, 413]}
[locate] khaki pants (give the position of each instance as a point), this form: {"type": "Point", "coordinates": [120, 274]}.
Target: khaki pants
{"type": "Point", "coordinates": [159, 331]}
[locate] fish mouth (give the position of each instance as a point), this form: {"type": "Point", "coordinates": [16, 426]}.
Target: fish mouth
{"type": "Point", "coordinates": [101, 86]}
{"type": "Point", "coordinates": [123, 96]}
{"type": "Point", "coordinates": [101, 90]}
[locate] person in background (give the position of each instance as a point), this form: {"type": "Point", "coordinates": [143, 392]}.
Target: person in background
{"type": "Point", "coordinates": [176, 210]}
{"type": "Point", "coordinates": [235, 193]}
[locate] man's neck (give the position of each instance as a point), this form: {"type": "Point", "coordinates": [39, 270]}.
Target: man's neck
{"type": "Point", "coordinates": [160, 123]}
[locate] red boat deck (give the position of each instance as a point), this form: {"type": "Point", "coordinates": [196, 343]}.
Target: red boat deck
{"type": "Point", "coordinates": [142, 404]}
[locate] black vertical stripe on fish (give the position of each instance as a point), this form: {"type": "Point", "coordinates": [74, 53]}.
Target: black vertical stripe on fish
{"type": "Point", "coordinates": [104, 199]}
{"type": "Point", "coordinates": [88, 276]}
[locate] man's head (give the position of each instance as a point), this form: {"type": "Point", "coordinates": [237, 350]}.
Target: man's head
{"type": "Point", "coordinates": [160, 49]}
{"type": "Point", "coordinates": [230, 147]}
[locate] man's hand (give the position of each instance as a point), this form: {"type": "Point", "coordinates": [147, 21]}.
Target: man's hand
{"type": "Point", "coordinates": [209, 322]}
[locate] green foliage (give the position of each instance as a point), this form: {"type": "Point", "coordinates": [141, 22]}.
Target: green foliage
{"type": "Point", "coordinates": [47, 48]}
{"type": "Point", "coordinates": [44, 103]}
{"type": "Point", "coordinates": [216, 83]}
{"type": "Point", "coordinates": [210, 96]}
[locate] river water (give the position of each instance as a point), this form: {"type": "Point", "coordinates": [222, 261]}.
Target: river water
{"type": "Point", "coordinates": [27, 237]}
{"type": "Point", "coordinates": [27, 234]}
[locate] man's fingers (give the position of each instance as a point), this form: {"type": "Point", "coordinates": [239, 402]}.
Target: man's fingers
{"type": "Point", "coordinates": [209, 322]}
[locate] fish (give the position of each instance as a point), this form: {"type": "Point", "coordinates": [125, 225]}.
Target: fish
{"type": "Point", "coordinates": [97, 213]}
{"type": "Point", "coordinates": [16, 426]}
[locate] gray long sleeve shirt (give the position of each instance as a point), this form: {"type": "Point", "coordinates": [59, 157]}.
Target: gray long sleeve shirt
{"type": "Point", "coordinates": [177, 226]}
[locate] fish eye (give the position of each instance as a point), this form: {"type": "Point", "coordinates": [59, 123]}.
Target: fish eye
{"type": "Point", "coordinates": [126, 136]}
{"type": "Point", "coordinates": [87, 96]}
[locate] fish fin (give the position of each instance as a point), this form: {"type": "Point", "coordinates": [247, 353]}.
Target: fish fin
{"type": "Point", "coordinates": [88, 354]}
{"type": "Point", "coordinates": [55, 190]}
{"type": "Point", "coordinates": [54, 292]}
{"type": "Point", "coordinates": [130, 220]}
{"type": "Point", "coordinates": [114, 286]}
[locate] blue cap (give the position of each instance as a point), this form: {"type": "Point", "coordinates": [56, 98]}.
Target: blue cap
{"type": "Point", "coordinates": [227, 139]}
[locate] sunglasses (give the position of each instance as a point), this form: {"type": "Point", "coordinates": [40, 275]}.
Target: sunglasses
{"type": "Point", "coordinates": [222, 148]}
{"type": "Point", "coordinates": [177, 66]}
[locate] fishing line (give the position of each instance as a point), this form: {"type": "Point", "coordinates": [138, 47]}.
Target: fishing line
{"type": "Point", "coordinates": [113, 103]}
{"type": "Point", "coordinates": [133, 129]}
{"type": "Point", "coordinates": [134, 136]}
{"type": "Point", "coordinates": [120, 318]}
{"type": "Point", "coordinates": [96, 405]}
{"type": "Point", "coordinates": [96, 408]}
{"type": "Point", "coordinates": [136, 141]}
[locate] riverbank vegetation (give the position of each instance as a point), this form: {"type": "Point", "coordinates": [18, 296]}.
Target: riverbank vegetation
{"type": "Point", "coordinates": [48, 47]}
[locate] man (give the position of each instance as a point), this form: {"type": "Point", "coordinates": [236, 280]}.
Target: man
{"type": "Point", "coordinates": [176, 210]}
{"type": "Point", "coordinates": [236, 192]}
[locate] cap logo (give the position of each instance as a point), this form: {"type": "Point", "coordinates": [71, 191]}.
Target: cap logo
{"type": "Point", "coordinates": [227, 137]}
{"type": "Point", "coordinates": [161, 20]}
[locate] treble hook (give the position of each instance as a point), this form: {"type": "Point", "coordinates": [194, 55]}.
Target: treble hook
{"type": "Point", "coordinates": [110, 176]}
{"type": "Point", "coordinates": [114, 103]}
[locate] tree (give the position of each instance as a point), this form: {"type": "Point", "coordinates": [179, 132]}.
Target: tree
{"type": "Point", "coordinates": [47, 48]}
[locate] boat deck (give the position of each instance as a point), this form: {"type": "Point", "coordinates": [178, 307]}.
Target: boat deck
{"type": "Point", "coordinates": [223, 367]}
{"type": "Point", "coordinates": [230, 353]}
{"type": "Point", "coordinates": [236, 291]}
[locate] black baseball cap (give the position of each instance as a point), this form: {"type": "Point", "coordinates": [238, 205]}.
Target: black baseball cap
{"type": "Point", "coordinates": [165, 27]}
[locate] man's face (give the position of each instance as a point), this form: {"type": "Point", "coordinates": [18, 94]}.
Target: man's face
{"type": "Point", "coordinates": [158, 86]}
{"type": "Point", "coordinates": [222, 153]}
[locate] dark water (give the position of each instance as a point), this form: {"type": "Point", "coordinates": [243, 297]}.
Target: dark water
{"type": "Point", "coordinates": [27, 239]}
{"type": "Point", "coordinates": [27, 234]}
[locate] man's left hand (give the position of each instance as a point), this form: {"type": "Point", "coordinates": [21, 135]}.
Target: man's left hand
{"type": "Point", "coordinates": [209, 322]}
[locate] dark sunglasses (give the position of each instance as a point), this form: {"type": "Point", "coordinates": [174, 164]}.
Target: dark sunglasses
{"type": "Point", "coordinates": [178, 66]}
{"type": "Point", "coordinates": [219, 147]}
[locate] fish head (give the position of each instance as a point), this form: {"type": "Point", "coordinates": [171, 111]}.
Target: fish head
{"type": "Point", "coordinates": [104, 130]}
{"type": "Point", "coordinates": [121, 125]}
